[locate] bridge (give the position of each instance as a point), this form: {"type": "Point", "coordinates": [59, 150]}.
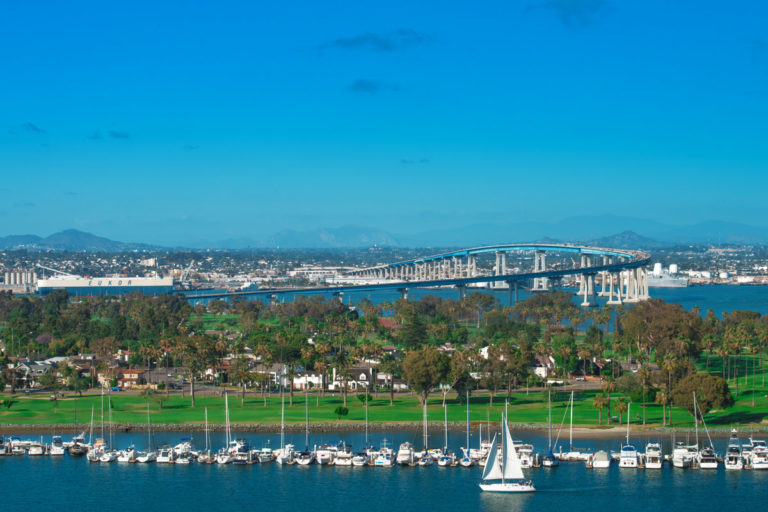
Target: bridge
{"type": "Point", "coordinates": [622, 274]}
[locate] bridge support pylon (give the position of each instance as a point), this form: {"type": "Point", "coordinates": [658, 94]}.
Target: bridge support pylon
{"type": "Point", "coordinates": [540, 284]}
{"type": "Point", "coordinates": [403, 293]}
{"type": "Point", "coordinates": [589, 291]}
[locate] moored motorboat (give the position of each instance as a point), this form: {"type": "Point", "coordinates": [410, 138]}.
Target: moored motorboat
{"type": "Point", "coordinates": [733, 454]}
{"type": "Point", "coordinates": [57, 446]}
{"type": "Point", "coordinates": [654, 459]}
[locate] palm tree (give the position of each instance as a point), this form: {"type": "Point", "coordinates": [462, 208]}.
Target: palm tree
{"type": "Point", "coordinates": [609, 386]}
{"type": "Point", "coordinates": [645, 377]}
{"type": "Point", "coordinates": [240, 372]}
{"type": "Point", "coordinates": [599, 403]}
{"type": "Point", "coordinates": [621, 408]}
{"type": "Point", "coordinates": [662, 398]}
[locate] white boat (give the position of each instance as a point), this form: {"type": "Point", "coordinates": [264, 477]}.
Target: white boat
{"type": "Point", "coordinates": [549, 460]}
{"type": "Point", "coordinates": [4, 447]}
{"type": "Point", "coordinates": [57, 446]}
{"type": "Point", "coordinates": [466, 460]}
{"type": "Point", "coordinates": [708, 458]}
{"type": "Point", "coordinates": [385, 457]}
{"type": "Point", "coordinates": [654, 459]}
{"type": "Point", "coordinates": [733, 456]}
{"type": "Point", "coordinates": [425, 459]}
{"type": "Point", "coordinates": [127, 455]}
{"type": "Point", "coordinates": [504, 474]}
{"type": "Point", "coordinates": [285, 454]}
{"type": "Point", "coordinates": [165, 455]}
{"type": "Point", "coordinates": [150, 455]}
{"type": "Point", "coordinates": [185, 458]}
{"type": "Point", "coordinates": [242, 453]}
{"type": "Point", "coordinates": [344, 456]}
{"type": "Point", "coordinates": [574, 454]}
{"type": "Point", "coordinates": [682, 455]}
{"type": "Point", "coordinates": [628, 458]}
{"type": "Point", "coordinates": [525, 454]}
{"type": "Point", "coordinates": [304, 458]}
{"type": "Point", "coordinates": [184, 447]}
{"type": "Point", "coordinates": [600, 460]}
{"type": "Point", "coordinates": [758, 454]}
{"type": "Point", "coordinates": [266, 454]}
{"type": "Point", "coordinates": [361, 459]}
{"type": "Point", "coordinates": [224, 455]}
{"type": "Point", "coordinates": [36, 448]}
{"type": "Point", "coordinates": [405, 455]}
{"type": "Point", "coordinates": [326, 453]}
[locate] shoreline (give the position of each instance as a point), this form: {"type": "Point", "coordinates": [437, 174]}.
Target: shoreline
{"type": "Point", "coordinates": [579, 432]}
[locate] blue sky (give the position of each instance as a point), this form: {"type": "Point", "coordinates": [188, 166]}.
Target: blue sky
{"type": "Point", "coordinates": [170, 122]}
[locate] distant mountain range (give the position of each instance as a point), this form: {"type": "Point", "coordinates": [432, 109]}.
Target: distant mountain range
{"type": "Point", "coordinates": [604, 231]}
{"type": "Point", "coordinates": [69, 240]}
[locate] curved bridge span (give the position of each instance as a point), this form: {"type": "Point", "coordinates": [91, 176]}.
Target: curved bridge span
{"type": "Point", "coordinates": [621, 272]}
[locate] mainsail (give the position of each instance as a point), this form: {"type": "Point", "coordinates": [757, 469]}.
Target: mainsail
{"type": "Point", "coordinates": [506, 467]}
{"type": "Point", "coordinates": [493, 464]}
{"type": "Point", "coordinates": [512, 468]}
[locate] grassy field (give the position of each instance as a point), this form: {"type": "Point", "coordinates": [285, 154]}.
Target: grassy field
{"type": "Point", "coordinates": [131, 408]}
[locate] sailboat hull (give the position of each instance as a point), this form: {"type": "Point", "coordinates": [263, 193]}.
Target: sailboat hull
{"type": "Point", "coordinates": [508, 487]}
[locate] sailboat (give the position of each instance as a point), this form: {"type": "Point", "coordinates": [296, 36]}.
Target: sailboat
{"type": "Point", "coordinates": [110, 454]}
{"type": "Point", "coordinates": [504, 474]}
{"type": "Point", "coordinates": [467, 461]}
{"type": "Point", "coordinates": [574, 454]}
{"type": "Point", "coordinates": [77, 447]}
{"type": "Point", "coordinates": [224, 456]}
{"type": "Point", "coordinates": [307, 457]}
{"type": "Point", "coordinates": [426, 458]}
{"type": "Point", "coordinates": [448, 458]}
{"type": "Point", "coordinates": [285, 454]}
{"type": "Point", "coordinates": [206, 457]}
{"type": "Point", "coordinates": [549, 460]}
{"type": "Point", "coordinates": [150, 455]}
{"type": "Point", "coordinates": [628, 456]}
{"type": "Point", "coordinates": [707, 457]}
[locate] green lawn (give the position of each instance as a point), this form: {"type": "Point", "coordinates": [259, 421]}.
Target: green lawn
{"type": "Point", "coordinates": [131, 408]}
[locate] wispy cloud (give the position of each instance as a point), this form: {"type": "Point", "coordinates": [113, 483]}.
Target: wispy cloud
{"type": "Point", "coordinates": [379, 42]}
{"type": "Point", "coordinates": [572, 13]}
{"type": "Point", "coordinates": [95, 136]}
{"type": "Point", "coordinates": [26, 204]}
{"type": "Point", "coordinates": [119, 135]}
{"type": "Point", "coordinates": [368, 86]}
{"type": "Point", "coordinates": [31, 127]}
{"type": "Point", "coordinates": [190, 147]}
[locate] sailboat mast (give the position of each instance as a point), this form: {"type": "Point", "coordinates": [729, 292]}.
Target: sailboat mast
{"type": "Point", "coordinates": [282, 417]}
{"type": "Point", "coordinates": [504, 447]}
{"type": "Point", "coordinates": [306, 421]}
{"type": "Point", "coordinates": [445, 409]}
{"type": "Point", "coordinates": [467, 423]}
{"type": "Point", "coordinates": [109, 406]}
{"type": "Point", "coordinates": [149, 428]}
{"type": "Point", "coordinates": [695, 420]}
{"type": "Point", "coordinates": [424, 414]}
{"type": "Point", "coordinates": [629, 407]}
{"type": "Point", "coordinates": [102, 412]}
{"type": "Point", "coordinates": [366, 419]}
{"type": "Point", "coordinates": [549, 418]}
{"type": "Point", "coordinates": [206, 430]}
{"type": "Point", "coordinates": [570, 440]}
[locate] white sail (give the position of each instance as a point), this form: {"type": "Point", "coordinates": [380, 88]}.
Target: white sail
{"type": "Point", "coordinates": [493, 464]}
{"type": "Point", "coordinates": [512, 468]}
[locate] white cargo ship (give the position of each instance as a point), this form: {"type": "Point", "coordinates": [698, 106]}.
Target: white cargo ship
{"type": "Point", "coordinates": [79, 286]}
{"type": "Point", "coordinates": [670, 278]}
